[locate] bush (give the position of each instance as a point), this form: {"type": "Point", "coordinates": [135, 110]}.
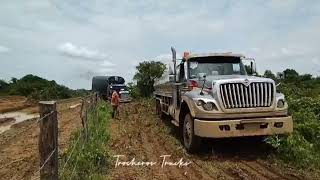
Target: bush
{"type": "Point", "coordinates": [302, 147]}
{"type": "Point", "coordinates": [134, 91]}
{"type": "Point", "coordinates": [296, 150]}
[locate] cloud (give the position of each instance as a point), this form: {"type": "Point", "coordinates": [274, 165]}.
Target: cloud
{"type": "Point", "coordinates": [95, 63]}
{"type": "Point", "coordinates": [87, 69]}
{"type": "Point", "coordinates": [4, 49]}
{"type": "Point", "coordinates": [70, 49]}
{"type": "Point", "coordinates": [278, 34]}
{"type": "Point", "coordinates": [89, 74]}
{"type": "Point", "coordinates": [167, 57]}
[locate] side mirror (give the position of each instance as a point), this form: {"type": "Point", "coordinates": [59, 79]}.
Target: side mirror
{"type": "Point", "coordinates": [170, 71]}
{"type": "Point", "coordinates": [253, 67]}
{"type": "Point", "coordinates": [174, 59]}
{"type": "Point", "coordinates": [250, 64]}
{"type": "Point", "coordinates": [171, 78]}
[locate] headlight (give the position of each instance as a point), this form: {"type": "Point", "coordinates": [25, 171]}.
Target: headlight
{"type": "Point", "coordinates": [209, 106]}
{"type": "Point", "coordinates": [280, 103]}
{"type": "Point", "coordinates": [200, 103]}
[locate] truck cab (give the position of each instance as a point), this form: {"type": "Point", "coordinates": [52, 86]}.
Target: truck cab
{"type": "Point", "coordinates": [212, 96]}
{"type": "Point", "coordinates": [104, 86]}
{"type": "Point", "coordinates": [122, 90]}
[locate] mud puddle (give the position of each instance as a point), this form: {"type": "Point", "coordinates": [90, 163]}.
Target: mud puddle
{"type": "Point", "coordinates": [11, 118]}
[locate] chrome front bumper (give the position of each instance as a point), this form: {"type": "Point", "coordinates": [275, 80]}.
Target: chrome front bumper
{"type": "Point", "coordinates": [243, 127]}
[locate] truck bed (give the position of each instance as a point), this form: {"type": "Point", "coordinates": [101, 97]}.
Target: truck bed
{"type": "Point", "coordinates": [164, 89]}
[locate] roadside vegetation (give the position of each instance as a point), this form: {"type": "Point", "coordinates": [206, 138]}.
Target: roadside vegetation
{"type": "Point", "coordinates": [146, 75]}
{"type": "Point", "coordinates": [302, 147]}
{"type": "Point", "coordinates": [87, 158]}
{"type": "Point", "coordinates": [37, 88]}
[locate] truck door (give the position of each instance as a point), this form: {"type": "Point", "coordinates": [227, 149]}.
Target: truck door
{"type": "Point", "coordinates": [175, 93]}
{"type": "Point", "coordinates": [179, 84]}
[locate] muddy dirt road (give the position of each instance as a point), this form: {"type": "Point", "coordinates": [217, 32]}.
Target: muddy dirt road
{"type": "Point", "coordinates": [13, 103]}
{"type": "Point", "coordinates": [140, 136]}
{"type": "Point", "coordinates": [19, 145]}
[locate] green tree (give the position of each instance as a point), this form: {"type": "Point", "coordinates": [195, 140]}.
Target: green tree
{"type": "Point", "coordinates": [38, 88]}
{"type": "Point", "coordinates": [147, 73]}
{"type": "Point", "coordinates": [3, 84]}
{"type": "Point", "coordinates": [306, 77]}
{"type": "Point", "coordinates": [269, 74]}
{"type": "Point", "coordinates": [290, 74]}
{"type": "Point", "coordinates": [14, 80]}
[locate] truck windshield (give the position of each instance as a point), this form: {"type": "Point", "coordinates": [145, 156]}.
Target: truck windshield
{"type": "Point", "coordinates": [213, 66]}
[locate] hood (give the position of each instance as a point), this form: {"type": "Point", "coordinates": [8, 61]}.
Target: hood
{"type": "Point", "coordinates": [234, 77]}
{"type": "Point", "coordinates": [226, 78]}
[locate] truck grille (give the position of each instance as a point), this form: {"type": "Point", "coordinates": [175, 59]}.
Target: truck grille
{"type": "Point", "coordinates": [256, 94]}
{"type": "Point", "coordinates": [124, 96]}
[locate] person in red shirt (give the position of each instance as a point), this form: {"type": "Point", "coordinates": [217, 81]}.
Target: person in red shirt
{"type": "Point", "coordinates": [115, 104]}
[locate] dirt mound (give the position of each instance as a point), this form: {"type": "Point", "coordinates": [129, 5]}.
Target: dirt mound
{"type": "Point", "coordinates": [141, 137]}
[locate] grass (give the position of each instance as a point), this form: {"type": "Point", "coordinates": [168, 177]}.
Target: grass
{"type": "Point", "coordinates": [88, 159]}
{"type": "Point", "coordinates": [300, 149]}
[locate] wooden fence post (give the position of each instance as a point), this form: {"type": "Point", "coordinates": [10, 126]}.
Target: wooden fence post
{"type": "Point", "coordinates": [48, 140]}
{"type": "Point", "coordinates": [84, 117]}
{"type": "Point", "coordinates": [95, 107]}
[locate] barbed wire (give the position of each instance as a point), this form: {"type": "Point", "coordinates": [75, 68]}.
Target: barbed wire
{"type": "Point", "coordinates": [31, 126]}
{"type": "Point", "coordinates": [88, 102]}
{"type": "Point", "coordinates": [42, 166]}
{"type": "Point", "coordinates": [46, 161]}
{"type": "Point", "coordinates": [17, 134]}
{"type": "Point", "coordinates": [77, 161]}
{"type": "Point", "coordinates": [47, 115]}
{"type": "Point", "coordinates": [65, 164]}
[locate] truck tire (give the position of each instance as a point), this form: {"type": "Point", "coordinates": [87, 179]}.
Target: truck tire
{"type": "Point", "coordinates": [190, 141]}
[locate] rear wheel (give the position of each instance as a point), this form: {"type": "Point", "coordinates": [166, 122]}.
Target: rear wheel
{"type": "Point", "coordinates": [190, 141]}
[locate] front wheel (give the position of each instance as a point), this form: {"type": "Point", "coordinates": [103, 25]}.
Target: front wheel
{"type": "Point", "coordinates": [190, 141]}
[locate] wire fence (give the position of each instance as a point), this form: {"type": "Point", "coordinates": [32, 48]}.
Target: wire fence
{"type": "Point", "coordinates": [68, 158]}
{"type": "Point", "coordinates": [88, 104]}
{"type": "Point", "coordinates": [48, 137]}
{"type": "Point", "coordinates": [23, 131]}
{"type": "Point", "coordinates": [46, 161]}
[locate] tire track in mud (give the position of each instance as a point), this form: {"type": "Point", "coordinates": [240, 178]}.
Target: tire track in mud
{"type": "Point", "coordinates": [259, 171]}
{"type": "Point", "coordinates": [141, 145]}
{"type": "Point", "coordinates": [140, 134]}
{"type": "Point", "coordinates": [152, 144]}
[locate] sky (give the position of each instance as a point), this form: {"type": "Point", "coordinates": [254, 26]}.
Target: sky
{"type": "Point", "coordinates": [70, 41]}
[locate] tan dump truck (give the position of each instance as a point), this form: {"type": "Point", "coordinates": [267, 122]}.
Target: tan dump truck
{"type": "Point", "coordinates": [211, 96]}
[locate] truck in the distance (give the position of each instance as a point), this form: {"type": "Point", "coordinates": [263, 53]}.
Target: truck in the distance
{"type": "Point", "coordinates": [105, 85]}
{"type": "Point", "coordinates": [212, 96]}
